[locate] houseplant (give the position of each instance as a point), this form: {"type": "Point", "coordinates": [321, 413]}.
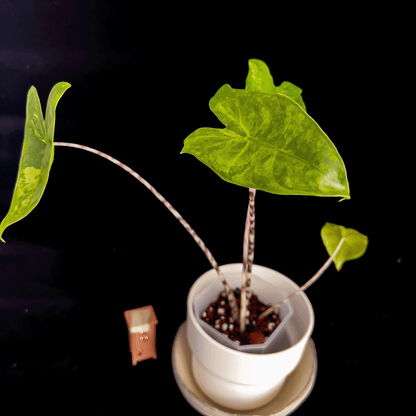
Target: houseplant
{"type": "Point", "coordinates": [269, 144]}
{"type": "Point", "coordinates": [244, 153]}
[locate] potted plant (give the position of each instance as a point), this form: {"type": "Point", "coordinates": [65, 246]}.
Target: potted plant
{"type": "Point", "coordinates": [269, 144]}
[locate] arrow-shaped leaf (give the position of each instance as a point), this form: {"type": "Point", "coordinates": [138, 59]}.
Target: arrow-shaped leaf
{"type": "Point", "coordinates": [37, 155]}
{"type": "Point", "coordinates": [354, 243]}
{"type": "Point", "coordinates": [342, 244]}
{"type": "Point", "coordinates": [270, 144]}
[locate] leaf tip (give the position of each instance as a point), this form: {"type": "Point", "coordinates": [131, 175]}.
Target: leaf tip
{"type": "Point", "coordinates": [254, 61]}
{"type": "Point", "coordinates": [346, 198]}
{"type": "Point", "coordinates": [32, 91]}
{"type": "Point", "coordinates": [65, 85]}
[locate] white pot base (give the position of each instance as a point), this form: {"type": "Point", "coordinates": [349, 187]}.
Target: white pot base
{"type": "Point", "coordinates": [235, 396]}
{"type": "Point", "coordinates": [295, 390]}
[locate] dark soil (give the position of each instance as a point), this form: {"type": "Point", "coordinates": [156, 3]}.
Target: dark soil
{"type": "Point", "coordinates": [218, 315]}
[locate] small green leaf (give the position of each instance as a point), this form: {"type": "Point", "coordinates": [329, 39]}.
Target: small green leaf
{"type": "Point", "coordinates": [354, 244]}
{"type": "Point", "coordinates": [269, 144]}
{"type": "Point", "coordinates": [37, 155]}
{"type": "Point", "coordinates": [260, 79]}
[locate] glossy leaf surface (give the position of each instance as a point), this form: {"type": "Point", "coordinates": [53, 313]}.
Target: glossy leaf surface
{"type": "Point", "coordinates": [354, 244]}
{"type": "Point", "coordinates": [37, 155]}
{"type": "Point", "coordinates": [270, 144]}
{"type": "Point", "coordinates": [260, 79]}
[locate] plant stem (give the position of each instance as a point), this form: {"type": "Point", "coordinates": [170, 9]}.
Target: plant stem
{"type": "Point", "coordinates": [307, 284]}
{"type": "Point", "coordinates": [248, 257]}
{"type": "Point", "coordinates": [230, 294]}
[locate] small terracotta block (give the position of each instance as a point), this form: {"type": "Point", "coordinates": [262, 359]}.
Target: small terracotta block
{"type": "Point", "coordinates": [141, 324]}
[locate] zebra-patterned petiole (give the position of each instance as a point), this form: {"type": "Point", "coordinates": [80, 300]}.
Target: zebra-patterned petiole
{"type": "Point", "coordinates": [248, 258]}
{"type": "Point", "coordinates": [230, 294]}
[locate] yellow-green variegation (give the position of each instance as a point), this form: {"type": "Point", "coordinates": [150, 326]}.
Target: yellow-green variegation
{"type": "Point", "coordinates": [269, 143]}
{"type": "Point", "coordinates": [37, 155]}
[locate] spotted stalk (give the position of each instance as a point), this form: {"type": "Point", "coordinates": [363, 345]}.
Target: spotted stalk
{"type": "Point", "coordinates": [230, 294]}
{"type": "Point", "coordinates": [312, 280]}
{"type": "Point", "coordinates": [248, 258]}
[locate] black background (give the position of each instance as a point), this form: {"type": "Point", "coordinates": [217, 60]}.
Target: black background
{"type": "Point", "coordinates": [99, 243]}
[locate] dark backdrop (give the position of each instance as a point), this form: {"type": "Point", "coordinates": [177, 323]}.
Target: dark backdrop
{"type": "Point", "coordinates": [99, 243]}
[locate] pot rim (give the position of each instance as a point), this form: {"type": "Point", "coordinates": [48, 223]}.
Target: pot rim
{"type": "Point", "coordinates": [229, 350]}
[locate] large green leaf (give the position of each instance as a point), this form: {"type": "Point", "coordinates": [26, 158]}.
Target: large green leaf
{"type": "Point", "coordinates": [270, 144]}
{"type": "Point", "coordinates": [260, 79]}
{"type": "Point", "coordinates": [37, 155]}
{"type": "Point", "coordinates": [354, 244]}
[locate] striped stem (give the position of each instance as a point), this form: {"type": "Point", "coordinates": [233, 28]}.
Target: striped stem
{"type": "Point", "coordinates": [230, 294]}
{"type": "Point", "coordinates": [248, 258]}
{"type": "Point", "coordinates": [312, 280]}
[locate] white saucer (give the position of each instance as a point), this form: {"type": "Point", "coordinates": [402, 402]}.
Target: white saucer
{"type": "Point", "coordinates": [294, 392]}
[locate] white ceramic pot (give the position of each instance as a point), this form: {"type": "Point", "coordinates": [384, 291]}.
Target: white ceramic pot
{"type": "Point", "coordinates": [240, 380]}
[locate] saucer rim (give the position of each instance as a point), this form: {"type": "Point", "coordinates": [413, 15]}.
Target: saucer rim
{"type": "Point", "coordinates": [210, 408]}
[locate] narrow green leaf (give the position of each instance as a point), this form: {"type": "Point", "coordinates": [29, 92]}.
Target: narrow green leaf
{"type": "Point", "coordinates": [37, 155]}
{"type": "Point", "coordinates": [260, 79]}
{"type": "Point", "coordinates": [269, 144]}
{"type": "Point", "coordinates": [354, 244]}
